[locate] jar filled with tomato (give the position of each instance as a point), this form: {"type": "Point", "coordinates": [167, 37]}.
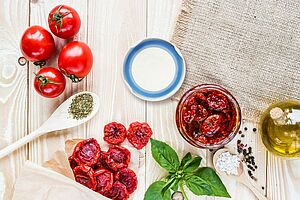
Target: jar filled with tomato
{"type": "Point", "coordinates": [208, 116]}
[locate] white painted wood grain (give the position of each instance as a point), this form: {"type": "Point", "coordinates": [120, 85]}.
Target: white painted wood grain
{"type": "Point", "coordinates": [41, 108]}
{"type": "Point", "coordinates": [109, 28]}
{"type": "Point", "coordinates": [113, 26]}
{"type": "Point", "coordinates": [13, 90]}
{"type": "Point", "coordinates": [283, 178]}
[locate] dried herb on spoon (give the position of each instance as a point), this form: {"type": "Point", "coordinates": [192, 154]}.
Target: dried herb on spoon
{"type": "Point", "coordinates": [81, 106]}
{"type": "Point", "coordinates": [187, 173]}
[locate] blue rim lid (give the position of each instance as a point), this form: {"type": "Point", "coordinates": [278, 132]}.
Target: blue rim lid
{"type": "Point", "coordinates": [165, 92]}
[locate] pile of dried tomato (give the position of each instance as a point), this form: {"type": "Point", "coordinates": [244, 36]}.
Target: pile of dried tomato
{"type": "Point", "coordinates": [107, 172]}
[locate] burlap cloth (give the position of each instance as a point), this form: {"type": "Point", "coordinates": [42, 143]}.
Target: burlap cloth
{"type": "Point", "coordinates": [250, 47]}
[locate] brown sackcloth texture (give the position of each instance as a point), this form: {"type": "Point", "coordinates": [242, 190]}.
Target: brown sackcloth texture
{"type": "Point", "coordinates": [251, 47]}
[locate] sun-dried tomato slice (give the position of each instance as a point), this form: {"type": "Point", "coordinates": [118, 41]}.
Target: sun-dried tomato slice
{"type": "Point", "coordinates": [102, 161]}
{"type": "Point", "coordinates": [128, 178]}
{"type": "Point", "coordinates": [189, 114]}
{"type": "Point", "coordinates": [211, 125]}
{"type": "Point", "coordinates": [85, 176]}
{"type": "Point", "coordinates": [191, 101]}
{"type": "Point", "coordinates": [117, 192]}
{"type": "Point", "coordinates": [118, 157]}
{"type": "Point", "coordinates": [114, 133]}
{"type": "Point", "coordinates": [139, 134]}
{"type": "Point", "coordinates": [104, 179]}
{"type": "Point", "coordinates": [87, 152]}
{"type": "Point", "coordinates": [201, 113]}
{"type": "Point", "coordinates": [217, 101]}
{"type": "Point", "coordinates": [200, 98]}
{"type": "Point", "coordinates": [72, 162]}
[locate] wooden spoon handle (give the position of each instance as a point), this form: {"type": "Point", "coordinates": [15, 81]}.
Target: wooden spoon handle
{"type": "Point", "coordinates": [14, 146]}
{"type": "Point", "coordinates": [257, 193]}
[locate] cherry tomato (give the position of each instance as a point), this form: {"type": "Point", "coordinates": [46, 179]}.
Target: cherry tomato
{"type": "Point", "coordinates": [37, 44]}
{"type": "Point", "coordinates": [64, 21]}
{"type": "Point", "coordinates": [49, 82]}
{"type": "Point", "coordinates": [75, 60]}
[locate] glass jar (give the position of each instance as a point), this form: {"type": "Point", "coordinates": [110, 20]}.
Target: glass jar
{"type": "Point", "coordinates": [208, 116]}
{"type": "Point", "coordinates": [280, 128]}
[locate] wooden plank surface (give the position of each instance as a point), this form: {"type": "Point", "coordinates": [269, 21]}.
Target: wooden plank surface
{"type": "Point", "coordinates": [109, 28]}
{"type": "Point", "coordinates": [14, 18]}
{"type": "Point", "coordinates": [113, 27]}
{"type": "Point", "coordinates": [41, 108]}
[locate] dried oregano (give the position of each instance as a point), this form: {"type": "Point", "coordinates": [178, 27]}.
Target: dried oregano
{"type": "Point", "coordinates": [81, 106]}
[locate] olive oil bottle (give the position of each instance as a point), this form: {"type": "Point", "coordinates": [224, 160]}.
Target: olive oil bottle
{"type": "Point", "coordinates": [280, 128]}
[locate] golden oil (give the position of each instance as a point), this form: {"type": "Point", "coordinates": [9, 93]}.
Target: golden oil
{"type": "Point", "coordinates": [280, 128]}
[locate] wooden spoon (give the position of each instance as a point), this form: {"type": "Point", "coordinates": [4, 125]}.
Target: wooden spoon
{"type": "Point", "coordinates": [59, 120]}
{"type": "Point", "coordinates": [242, 177]}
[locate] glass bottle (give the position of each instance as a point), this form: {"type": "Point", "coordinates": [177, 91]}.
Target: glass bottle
{"type": "Point", "coordinates": [280, 128]}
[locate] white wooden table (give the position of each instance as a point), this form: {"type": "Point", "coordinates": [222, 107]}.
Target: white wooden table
{"type": "Point", "coordinates": [110, 27]}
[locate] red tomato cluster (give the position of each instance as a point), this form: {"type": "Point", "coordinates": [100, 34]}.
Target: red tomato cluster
{"type": "Point", "coordinates": [75, 59]}
{"type": "Point", "coordinates": [107, 172]}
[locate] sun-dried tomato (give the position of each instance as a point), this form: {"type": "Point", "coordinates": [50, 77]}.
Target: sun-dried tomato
{"type": "Point", "coordinates": [118, 157]}
{"type": "Point", "coordinates": [72, 162]}
{"type": "Point", "coordinates": [114, 133]}
{"type": "Point", "coordinates": [102, 161]}
{"type": "Point", "coordinates": [201, 113]}
{"type": "Point", "coordinates": [200, 98]}
{"type": "Point", "coordinates": [87, 152]}
{"type": "Point", "coordinates": [128, 178]}
{"type": "Point", "coordinates": [211, 125]}
{"type": "Point", "coordinates": [139, 134]}
{"type": "Point", "coordinates": [104, 179]}
{"type": "Point", "coordinates": [85, 176]}
{"type": "Point", "coordinates": [217, 101]}
{"type": "Point", "coordinates": [189, 114]}
{"type": "Point", "coordinates": [117, 192]}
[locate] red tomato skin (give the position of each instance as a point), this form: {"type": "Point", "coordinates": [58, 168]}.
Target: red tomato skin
{"type": "Point", "coordinates": [70, 22]}
{"type": "Point", "coordinates": [50, 90]}
{"type": "Point", "coordinates": [37, 44]}
{"type": "Point", "coordinates": [75, 58]}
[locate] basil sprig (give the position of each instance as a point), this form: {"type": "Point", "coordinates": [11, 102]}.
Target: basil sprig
{"type": "Point", "coordinates": [199, 180]}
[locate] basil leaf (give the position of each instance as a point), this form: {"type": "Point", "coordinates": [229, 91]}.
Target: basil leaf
{"type": "Point", "coordinates": [192, 164]}
{"type": "Point", "coordinates": [154, 192]}
{"type": "Point", "coordinates": [198, 186]}
{"type": "Point", "coordinates": [186, 158]}
{"type": "Point", "coordinates": [164, 155]}
{"type": "Point", "coordinates": [213, 180]}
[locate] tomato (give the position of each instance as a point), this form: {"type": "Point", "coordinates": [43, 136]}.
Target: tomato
{"type": "Point", "coordinates": [37, 44]}
{"type": "Point", "coordinates": [75, 60]}
{"type": "Point", "coordinates": [49, 82]}
{"type": "Point", "coordinates": [64, 21]}
{"type": "Point", "coordinates": [211, 125]}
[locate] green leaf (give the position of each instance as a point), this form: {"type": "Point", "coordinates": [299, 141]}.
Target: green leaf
{"type": "Point", "coordinates": [192, 164]}
{"type": "Point", "coordinates": [213, 180]}
{"type": "Point", "coordinates": [164, 155]}
{"type": "Point", "coordinates": [154, 192]}
{"type": "Point", "coordinates": [186, 158]}
{"type": "Point", "coordinates": [197, 185]}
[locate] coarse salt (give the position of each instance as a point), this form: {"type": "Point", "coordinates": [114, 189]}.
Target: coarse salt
{"type": "Point", "coordinates": [228, 163]}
